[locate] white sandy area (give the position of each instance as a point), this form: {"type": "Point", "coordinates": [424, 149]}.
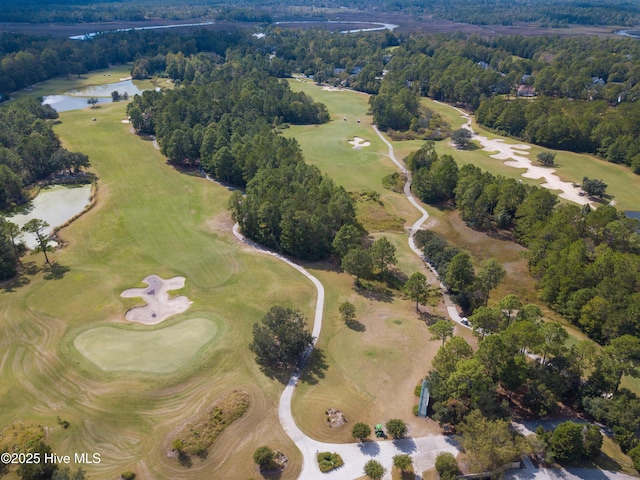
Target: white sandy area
{"type": "Point", "coordinates": [515, 157]}
{"type": "Point", "coordinates": [124, 79]}
{"type": "Point", "coordinates": [159, 306]}
{"type": "Point", "coordinates": [358, 142]}
{"type": "Point", "coordinates": [331, 89]}
{"type": "Point", "coordinates": [125, 121]}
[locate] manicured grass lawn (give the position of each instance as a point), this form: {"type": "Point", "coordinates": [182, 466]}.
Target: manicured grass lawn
{"type": "Point", "coordinates": [161, 350]}
{"type": "Point", "coordinates": [327, 147]}
{"type": "Point", "coordinates": [149, 218]}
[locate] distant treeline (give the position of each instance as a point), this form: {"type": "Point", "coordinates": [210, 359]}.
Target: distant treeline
{"type": "Point", "coordinates": [587, 88]}
{"type": "Point", "coordinates": [82, 11]}
{"type": "Point", "coordinates": [224, 121]}
{"type": "Point", "coordinates": [548, 13]}
{"type": "Point", "coordinates": [26, 60]}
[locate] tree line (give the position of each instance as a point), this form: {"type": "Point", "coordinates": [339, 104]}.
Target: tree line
{"type": "Point", "coordinates": [222, 121]}
{"type": "Point", "coordinates": [26, 60]}
{"type": "Point", "coordinates": [586, 262]}
{"type": "Point", "coordinates": [30, 150]}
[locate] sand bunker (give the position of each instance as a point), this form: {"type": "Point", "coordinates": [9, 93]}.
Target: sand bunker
{"type": "Point", "coordinates": [332, 89]}
{"type": "Point", "coordinates": [515, 156]}
{"type": "Point", "coordinates": [358, 143]}
{"type": "Point", "coordinates": [159, 306]}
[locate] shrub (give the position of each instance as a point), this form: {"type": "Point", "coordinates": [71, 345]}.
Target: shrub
{"type": "Point", "coordinates": [374, 470]}
{"type": "Point", "coordinates": [128, 475]}
{"type": "Point", "coordinates": [328, 461]}
{"type": "Point", "coordinates": [634, 454]}
{"type": "Point", "coordinates": [264, 456]}
{"type": "Point", "coordinates": [396, 428]}
{"type": "Point", "coordinates": [403, 462]}
{"type": "Point", "coordinates": [361, 431]}
{"type": "Point", "coordinates": [446, 466]}
{"type": "Point", "coordinates": [546, 159]}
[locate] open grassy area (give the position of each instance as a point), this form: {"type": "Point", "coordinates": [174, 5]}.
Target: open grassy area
{"type": "Point", "coordinates": [358, 368]}
{"type": "Point", "coordinates": [161, 350]}
{"type": "Point", "coordinates": [148, 219]}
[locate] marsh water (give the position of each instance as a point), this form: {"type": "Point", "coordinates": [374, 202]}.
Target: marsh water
{"type": "Point", "coordinates": [54, 205]}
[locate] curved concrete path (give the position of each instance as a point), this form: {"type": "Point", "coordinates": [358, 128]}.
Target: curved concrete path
{"type": "Point", "coordinates": [423, 450]}
{"type": "Point", "coordinates": [451, 308]}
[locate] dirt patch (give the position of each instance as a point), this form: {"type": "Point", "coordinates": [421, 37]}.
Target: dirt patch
{"type": "Point", "coordinates": [335, 418]}
{"type": "Point", "coordinates": [221, 223]}
{"type": "Point", "coordinates": [159, 306]}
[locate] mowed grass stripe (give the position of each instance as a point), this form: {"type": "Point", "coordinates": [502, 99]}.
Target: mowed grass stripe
{"type": "Point", "coordinates": [161, 215]}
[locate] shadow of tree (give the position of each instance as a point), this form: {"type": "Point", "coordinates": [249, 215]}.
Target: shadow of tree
{"type": "Point", "coordinates": [25, 270]}
{"type": "Point", "coordinates": [55, 271]}
{"type": "Point", "coordinates": [430, 318]}
{"type": "Point", "coordinates": [281, 375]}
{"type": "Point", "coordinates": [371, 449]}
{"type": "Point", "coordinates": [356, 325]}
{"type": "Point", "coordinates": [315, 368]}
{"type": "Point", "coordinates": [271, 474]}
{"type": "Point", "coordinates": [374, 291]}
{"type": "Point", "coordinates": [185, 460]}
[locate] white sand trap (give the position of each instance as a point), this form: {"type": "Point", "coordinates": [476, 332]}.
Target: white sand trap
{"type": "Point", "coordinates": [515, 156]}
{"type": "Point", "coordinates": [358, 142]}
{"type": "Point", "coordinates": [332, 89]}
{"type": "Point", "coordinates": [125, 121]}
{"type": "Point", "coordinates": [159, 306]}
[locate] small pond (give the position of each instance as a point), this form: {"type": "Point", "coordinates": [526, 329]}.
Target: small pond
{"type": "Point", "coordinates": [76, 99]}
{"type": "Point", "coordinates": [55, 206]}
{"type": "Point", "coordinates": [106, 89]}
{"type": "Point", "coordinates": [64, 103]}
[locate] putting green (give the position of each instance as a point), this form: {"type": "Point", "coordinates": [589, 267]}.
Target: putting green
{"type": "Point", "coordinates": [161, 350]}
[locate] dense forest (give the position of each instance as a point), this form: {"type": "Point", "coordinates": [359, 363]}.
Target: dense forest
{"type": "Point", "coordinates": [224, 121]}
{"type": "Point", "coordinates": [587, 262]}
{"type": "Point", "coordinates": [548, 13]}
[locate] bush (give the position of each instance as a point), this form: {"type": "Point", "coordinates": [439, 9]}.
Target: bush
{"type": "Point", "coordinates": [446, 466]}
{"type": "Point", "coordinates": [361, 431]}
{"type": "Point", "coordinates": [264, 456]}
{"type": "Point", "coordinates": [328, 461]}
{"type": "Point", "coordinates": [374, 470]}
{"type": "Point", "coordinates": [128, 475]}
{"type": "Point", "coordinates": [634, 454]}
{"type": "Point", "coordinates": [416, 410]}
{"type": "Point", "coordinates": [396, 428]}
{"type": "Point", "coordinates": [566, 442]}
{"type": "Point", "coordinates": [403, 462]}
{"type": "Point", "coordinates": [546, 159]}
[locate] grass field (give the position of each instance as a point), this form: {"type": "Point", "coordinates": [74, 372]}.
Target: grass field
{"type": "Point", "coordinates": [148, 219]}
{"type": "Point", "coordinates": [360, 374]}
